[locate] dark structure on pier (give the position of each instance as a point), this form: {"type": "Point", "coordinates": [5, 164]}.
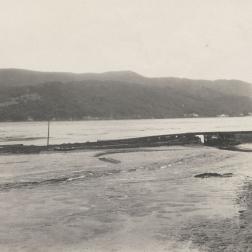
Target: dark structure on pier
{"type": "Point", "coordinates": [227, 138]}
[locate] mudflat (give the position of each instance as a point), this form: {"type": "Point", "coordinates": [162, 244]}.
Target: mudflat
{"type": "Point", "coordinates": [144, 199]}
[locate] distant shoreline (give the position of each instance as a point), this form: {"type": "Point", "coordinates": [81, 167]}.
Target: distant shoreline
{"type": "Point", "coordinates": [128, 119]}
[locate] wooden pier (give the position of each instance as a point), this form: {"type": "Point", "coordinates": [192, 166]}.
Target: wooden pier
{"type": "Point", "coordinates": [216, 139]}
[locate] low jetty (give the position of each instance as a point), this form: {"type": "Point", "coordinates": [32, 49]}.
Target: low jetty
{"type": "Point", "coordinates": [224, 140]}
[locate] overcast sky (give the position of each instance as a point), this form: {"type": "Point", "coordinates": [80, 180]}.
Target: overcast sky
{"type": "Point", "coordinates": [207, 39]}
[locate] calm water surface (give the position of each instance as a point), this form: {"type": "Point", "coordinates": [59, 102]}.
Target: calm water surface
{"type": "Point", "coordinates": [81, 131]}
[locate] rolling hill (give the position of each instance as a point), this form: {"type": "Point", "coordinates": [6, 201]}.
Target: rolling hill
{"type": "Point", "coordinates": [32, 95]}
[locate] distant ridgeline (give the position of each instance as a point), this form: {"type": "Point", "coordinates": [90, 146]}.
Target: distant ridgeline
{"type": "Point", "coordinates": [30, 95]}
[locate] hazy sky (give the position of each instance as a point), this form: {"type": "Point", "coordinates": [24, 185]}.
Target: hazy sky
{"type": "Point", "coordinates": [185, 38]}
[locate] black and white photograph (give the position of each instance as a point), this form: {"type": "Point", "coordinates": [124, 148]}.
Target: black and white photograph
{"type": "Point", "coordinates": [126, 125]}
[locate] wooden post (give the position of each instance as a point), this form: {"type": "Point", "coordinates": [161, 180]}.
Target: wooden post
{"type": "Point", "coordinates": [48, 133]}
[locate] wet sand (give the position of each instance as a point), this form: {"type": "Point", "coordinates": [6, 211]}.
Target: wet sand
{"type": "Point", "coordinates": [127, 200]}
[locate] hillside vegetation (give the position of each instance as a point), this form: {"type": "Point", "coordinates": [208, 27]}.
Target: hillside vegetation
{"type": "Point", "coordinates": [30, 95]}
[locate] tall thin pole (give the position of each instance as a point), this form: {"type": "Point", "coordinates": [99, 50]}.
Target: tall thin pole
{"type": "Point", "coordinates": [48, 133]}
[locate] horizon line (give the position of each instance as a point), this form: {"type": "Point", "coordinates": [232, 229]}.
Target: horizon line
{"type": "Point", "coordinates": [120, 71]}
